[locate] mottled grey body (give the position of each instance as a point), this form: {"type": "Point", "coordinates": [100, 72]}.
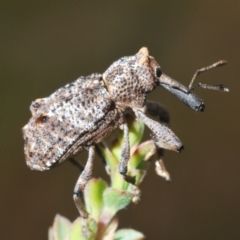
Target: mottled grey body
{"type": "Point", "coordinates": [77, 115]}
{"type": "Point", "coordinates": [84, 112]}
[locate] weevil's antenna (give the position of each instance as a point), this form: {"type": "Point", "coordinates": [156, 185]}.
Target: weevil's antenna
{"type": "Point", "coordinates": [219, 87]}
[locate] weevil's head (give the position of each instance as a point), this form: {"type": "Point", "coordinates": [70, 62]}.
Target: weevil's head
{"type": "Point", "coordinates": [129, 79]}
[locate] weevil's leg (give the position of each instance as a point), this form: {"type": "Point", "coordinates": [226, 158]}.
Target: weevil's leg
{"type": "Point", "coordinates": [219, 87]}
{"type": "Point", "coordinates": [81, 183]}
{"type": "Point", "coordinates": [162, 135]}
{"type": "Point", "coordinates": [76, 164]}
{"type": "Point", "coordinates": [125, 154]}
{"type": "Point", "coordinates": [157, 110]}
{"type": "Point", "coordinates": [160, 152]}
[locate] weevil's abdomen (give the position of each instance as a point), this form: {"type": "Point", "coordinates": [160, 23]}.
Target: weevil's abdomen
{"type": "Point", "coordinates": [75, 116]}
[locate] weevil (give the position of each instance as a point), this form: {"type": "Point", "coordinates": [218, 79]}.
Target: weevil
{"type": "Point", "coordinates": [83, 113]}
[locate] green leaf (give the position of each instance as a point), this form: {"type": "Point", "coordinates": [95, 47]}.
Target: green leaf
{"type": "Point", "coordinates": [60, 229]}
{"type": "Point", "coordinates": [76, 230]}
{"type": "Point", "coordinates": [112, 162]}
{"type": "Point", "coordinates": [141, 152]}
{"type": "Point", "coordinates": [93, 194]}
{"type": "Point", "coordinates": [115, 199]}
{"type": "Point", "coordinates": [128, 234]}
{"type": "Point", "coordinates": [136, 130]}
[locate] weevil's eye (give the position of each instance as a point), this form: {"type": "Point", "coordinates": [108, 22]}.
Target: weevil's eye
{"type": "Point", "coordinates": [158, 72]}
{"type": "Point", "coordinates": [41, 119]}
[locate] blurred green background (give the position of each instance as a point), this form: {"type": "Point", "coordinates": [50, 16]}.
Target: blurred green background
{"type": "Point", "coordinates": [46, 44]}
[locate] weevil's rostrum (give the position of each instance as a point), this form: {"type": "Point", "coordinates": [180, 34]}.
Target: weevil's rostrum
{"type": "Point", "coordinates": [83, 113]}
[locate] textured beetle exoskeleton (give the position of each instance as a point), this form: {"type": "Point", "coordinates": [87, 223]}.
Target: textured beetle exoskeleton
{"type": "Point", "coordinates": [75, 116]}
{"type": "Point", "coordinates": [83, 113]}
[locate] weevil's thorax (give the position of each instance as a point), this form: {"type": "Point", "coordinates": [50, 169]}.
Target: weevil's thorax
{"type": "Point", "coordinates": [129, 79]}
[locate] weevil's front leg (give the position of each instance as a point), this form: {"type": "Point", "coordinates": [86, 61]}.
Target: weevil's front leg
{"type": "Point", "coordinates": [81, 183]}
{"type": "Point", "coordinates": [157, 110]}
{"type": "Point", "coordinates": [162, 135]}
{"type": "Point", "coordinates": [125, 154]}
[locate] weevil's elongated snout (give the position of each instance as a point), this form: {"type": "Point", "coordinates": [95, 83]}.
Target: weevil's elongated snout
{"type": "Point", "coordinates": [182, 93]}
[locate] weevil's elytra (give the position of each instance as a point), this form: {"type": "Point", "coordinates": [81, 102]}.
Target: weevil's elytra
{"type": "Point", "coordinates": [66, 125]}
{"type": "Point", "coordinates": [83, 113]}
